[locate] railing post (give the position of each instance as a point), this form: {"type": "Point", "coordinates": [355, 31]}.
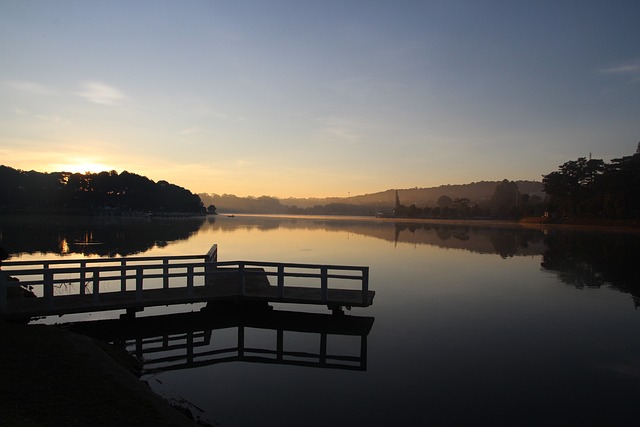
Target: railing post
{"type": "Point", "coordinates": [210, 259]}
{"type": "Point", "coordinates": [139, 279]}
{"type": "Point", "coordinates": [48, 285]}
{"type": "Point", "coordinates": [323, 348]}
{"type": "Point", "coordinates": [280, 281]}
{"type": "Point", "coordinates": [324, 283]}
{"type": "Point", "coordinates": [83, 277]}
{"type": "Point", "coordinates": [190, 281]}
{"type": "Point", "coordinates": [363, 352]}
{"type": "Point", "coordinates": [280, 344]}
{"type": "Point", "coordinates": [208, 273]}
{"type": "Point", "coordinates": [365, 285]}
{"type": "Point", "coordinates": [96, 285]}
{"type": "Point", "coordinates": [212, 254]}
{"type": "Point", "coordinates": [242, 278]}
{"type": "Point", "coordinates": [189, 348]}
{"type": "Point", "coordinates": [123, 275]}
{"type": "Point", "coordinates": [165, 273]}
{"type": "Point", "coordinates": [241, 341]}
{"type": "Point", "coordinates": [140, 348]}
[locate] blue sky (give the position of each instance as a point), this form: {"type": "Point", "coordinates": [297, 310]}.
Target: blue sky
{"type": "Point", "coordinates": [309, 98]}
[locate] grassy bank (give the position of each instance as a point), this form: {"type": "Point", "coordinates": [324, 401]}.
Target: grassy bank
{"type": "Point", "coordinates": [51, 377]}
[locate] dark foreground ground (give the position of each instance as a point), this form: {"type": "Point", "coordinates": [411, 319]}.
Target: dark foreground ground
{"type": "Point", "coordinates": [51, 377]}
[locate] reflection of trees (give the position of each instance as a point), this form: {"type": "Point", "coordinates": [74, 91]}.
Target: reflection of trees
{"type": "Point", "coordinates": [506, 242]}
{"type": "Point", "coordinates": [483, 238]}
{"type": "Point", "coordinates": [103, 236]}
{"type": "Point", "coordinates": [593, 259]}
{"type": "Point", "coordinates": [443, 233]}
{"type": "Point", "coordinates": [127, 236]}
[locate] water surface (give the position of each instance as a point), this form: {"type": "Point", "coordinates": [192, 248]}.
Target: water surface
{"type": "Point", "coordinates": [471, 325]}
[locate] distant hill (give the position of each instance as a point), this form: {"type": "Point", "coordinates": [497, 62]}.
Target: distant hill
{"type": "Point", "coordinates": [476, 192]}
{"type": "Point", "coordinates": [235, 204]}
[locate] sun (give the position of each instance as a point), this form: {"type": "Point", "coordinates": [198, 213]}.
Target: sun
{"type": "Point", "coordinates": [82, 167]}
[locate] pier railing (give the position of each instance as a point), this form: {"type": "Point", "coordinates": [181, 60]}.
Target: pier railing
{"type": "Point", "coordinates": [92, 279]}
{"type": "Point", "coordinates": [321, 274]}
{"type": "Point", "coordinates": [206, 337]}
{"type": "Point", "coordinates": [195, 349]}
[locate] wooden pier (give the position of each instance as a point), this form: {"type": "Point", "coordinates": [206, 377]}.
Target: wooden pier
{"type": "Point", "coordinates": [64, 286]}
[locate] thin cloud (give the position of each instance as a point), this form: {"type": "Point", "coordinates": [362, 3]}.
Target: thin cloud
{"type": "Point", "coordinates": [342, 130]}
{"type": "Point", "coordinates": [204, 111]}
{"type": "Point", "coordinates": [100, 93]}
{"type": "Point", "coordinates": [190, 131]}
{"type": "Point", "coordinates": [31, 88]}
{"type": "Point", "coordinates": [42, 117]}
{"type": "Point", "coordinates": [51, 118]}
{"type": "Point", "coordinates": [630, 69]}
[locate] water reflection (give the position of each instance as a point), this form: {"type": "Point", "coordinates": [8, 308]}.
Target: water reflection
{"type": "Point", "coordinates": [488, 239]}
{"type": "Point", "coordinates": [101, 236]}
{"type": "Point", "coordinates": [229, 334]}
{"type": "Point", "coordinates": [506, 242]}
{"type": "Point", "coordinates": [592, 260]}
{"type": "Point", "coordinates": [110, 236]}
{"type": "Point", "coordinates": [473, 317]}
{"type": "Point", "coordinates": [581, 259]}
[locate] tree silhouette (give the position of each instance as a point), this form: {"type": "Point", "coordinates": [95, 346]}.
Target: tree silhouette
{"type": "Point", "coordinates": [93, 192]}
{"type": "Point", "coordinates": [504, 199]}
{"type": "Point", "coordinates": [593, 188]}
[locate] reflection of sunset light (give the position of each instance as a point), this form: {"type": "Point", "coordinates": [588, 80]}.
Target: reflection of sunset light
{"type": "Point", "coordinates": [64, 246]}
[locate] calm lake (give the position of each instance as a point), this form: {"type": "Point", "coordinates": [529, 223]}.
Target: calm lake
{"type": "Point", "coordinates": [470, 325]}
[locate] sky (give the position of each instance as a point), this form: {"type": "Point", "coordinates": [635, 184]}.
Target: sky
{"type": "Point", "coordinates": [317, 98]}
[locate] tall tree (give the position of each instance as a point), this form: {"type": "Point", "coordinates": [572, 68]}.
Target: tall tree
{"type": "Point", "coordinates": [573, 187]}
{"type": "Point", "coordinates": [505, 199]}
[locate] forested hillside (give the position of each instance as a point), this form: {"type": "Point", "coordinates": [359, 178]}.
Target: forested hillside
{"type": "Point", "coordinates": [91, 192]}
{"type": "Point", "coordinates": [477, 193]}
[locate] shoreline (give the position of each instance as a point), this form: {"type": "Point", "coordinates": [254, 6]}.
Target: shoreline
{"type": "Point", "coordinates": [53, 377]}
{"type": "Point", "coordinates": [582, 224]}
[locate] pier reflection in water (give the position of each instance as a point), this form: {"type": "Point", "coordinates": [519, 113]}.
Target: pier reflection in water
{"type": "Point", "coordinates": [230, 334]}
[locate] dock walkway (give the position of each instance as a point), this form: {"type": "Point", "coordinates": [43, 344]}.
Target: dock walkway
{"type": "Point", "coordinates": [134, 283]}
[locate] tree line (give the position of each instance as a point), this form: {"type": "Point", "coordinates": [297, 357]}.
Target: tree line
{"type": "Point", "coordinates": [596, 189]}
{"type": "Point", "coordinates": [455, 201]}
{"type": "Point", "coordinates": [582, 188]}
{"type": "Point", "coordinates": [104, 192]}
{"type": "Point", "coordinates": [506, 202]}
